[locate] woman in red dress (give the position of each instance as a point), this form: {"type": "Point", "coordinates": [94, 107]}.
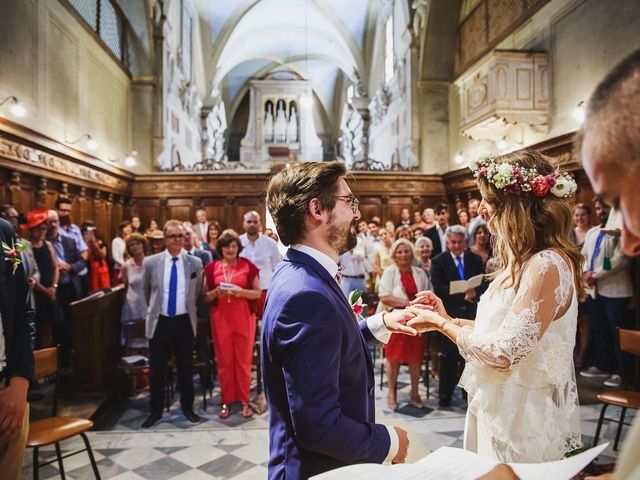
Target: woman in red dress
{"type": "Point", "coordinates": [398, 286]}
{"type": "Point", "coordinates": [230, 283]}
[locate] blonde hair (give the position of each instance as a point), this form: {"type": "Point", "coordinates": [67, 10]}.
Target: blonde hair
{"type": "Point", "coordinates": [396, 245]}
{"type": "Point", "coordinates": [526, 224]}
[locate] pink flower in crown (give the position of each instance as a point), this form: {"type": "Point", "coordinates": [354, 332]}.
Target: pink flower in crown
{"type": "Point", "coordinates": [540, 186]}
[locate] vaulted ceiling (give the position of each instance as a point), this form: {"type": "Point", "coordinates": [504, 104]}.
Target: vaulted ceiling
{"type": "Point", "coordinates": [316, 39]}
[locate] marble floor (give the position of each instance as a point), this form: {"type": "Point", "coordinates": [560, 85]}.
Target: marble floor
{"type": "Point", "coordinates": [237, 448]}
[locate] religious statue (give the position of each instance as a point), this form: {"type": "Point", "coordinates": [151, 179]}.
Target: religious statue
{"type": "Point", "coordinates": [292, 126]}
{"type": "Point", "coordinates": [421, 8]}
{"type": "Point", "coordinates": [216, 125]}
{"type": "Point", "coordinates": [268, 123]}
{"type": "Point", "coordinates": [280, 127]}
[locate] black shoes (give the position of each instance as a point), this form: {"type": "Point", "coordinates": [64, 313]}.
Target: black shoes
{"type": "Point", "coordinates": [444, 402]}
{"type": "Point", "coordinates": [192, 417]}
{"type": "Point", "coordinates": [151, 421]}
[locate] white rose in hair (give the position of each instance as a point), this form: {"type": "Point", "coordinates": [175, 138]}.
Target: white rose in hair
{"type": "Point", "coordinates": [505, 170]}
{"type": "Point", "coordinates": [563, 187]}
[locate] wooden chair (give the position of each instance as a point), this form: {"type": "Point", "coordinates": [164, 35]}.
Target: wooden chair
{"type": "Point", "coordinates": [629, 342]}
{"type": "Point", "coordinates": [135, 343]}
{"type": "Point", "coordinates": [55, 429]}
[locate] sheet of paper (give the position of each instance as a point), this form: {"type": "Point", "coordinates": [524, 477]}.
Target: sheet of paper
{"type": "Point", "coordinates": [458, 286]}
{"type": "Point", "coordinates": [562, 469]}
{"type": "Point", "coordinates": [475, 282]}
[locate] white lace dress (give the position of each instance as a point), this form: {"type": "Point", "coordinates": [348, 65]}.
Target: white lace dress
{"type": "Point", "coordinates": [523, 401]}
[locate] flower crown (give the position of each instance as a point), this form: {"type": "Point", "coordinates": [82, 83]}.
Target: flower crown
{"type": "Point", "coordinates": [514, 179]}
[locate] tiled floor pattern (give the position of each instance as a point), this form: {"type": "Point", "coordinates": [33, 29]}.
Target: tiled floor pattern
{"type": "Point", "coordinates": [238, 448]}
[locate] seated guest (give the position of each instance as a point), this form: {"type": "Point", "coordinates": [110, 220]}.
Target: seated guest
{"type": "Point", "coordinates": [172, 281]}
{"type": "Point", "coordinates": [213, 232]}
{"type": "Point", "coordinates": [417, 232]}
{"type": "Point", "coordinates": [99, 277]}
{"type": "Point", "coordinates": [424, 248]}
{"type": "Point", "coordinates": [118, 248]}
{"type": "Point", "coordinates": [229, 285]}
{"type": "Point", "coordinates": [398, 286]}
{"type": "Point", "coordinates": [44, 290]}
{"type": "Point", "coordinates": [482, 243]}
{"type": "Point", "coordinates": [135, 304]}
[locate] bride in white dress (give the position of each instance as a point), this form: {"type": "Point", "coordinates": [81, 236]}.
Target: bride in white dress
{"type": "Point", "coordinates": [523, 402]}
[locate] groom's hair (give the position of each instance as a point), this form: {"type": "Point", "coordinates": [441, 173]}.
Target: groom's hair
{"type": "Point", "coordinates": [290, 191]}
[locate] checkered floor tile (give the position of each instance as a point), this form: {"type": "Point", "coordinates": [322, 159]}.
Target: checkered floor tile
{"type": "Point", "coordinates": [237, 448]}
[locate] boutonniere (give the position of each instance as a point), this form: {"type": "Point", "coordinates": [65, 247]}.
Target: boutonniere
{"type": "Point", "coordinates": [355, 300]}
{"type": "Point", "coordinates": [12, 253]}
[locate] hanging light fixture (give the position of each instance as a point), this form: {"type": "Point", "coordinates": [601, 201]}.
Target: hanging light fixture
{"type": "Point", "coordinates": [91, 144]}
{"type": "Point", "coordinates": [580, 113]}
{"type": "Point", "coordinates": [17, 109]}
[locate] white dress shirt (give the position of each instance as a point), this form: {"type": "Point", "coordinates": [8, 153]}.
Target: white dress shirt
{"type": "Point", "coordinates": [181, 296]}
{"type": "Point", "coordinates": [353, 262]}
{"type": "Point", "coordinates": [264, 254]}
{"type": "Point", "coordinates": [375, 324]}
{"type": "Point", "coordinates": [443, 238]}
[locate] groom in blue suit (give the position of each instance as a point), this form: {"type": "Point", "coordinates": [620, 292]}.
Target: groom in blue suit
{"type": "Point", "coordinates": [317, 371]}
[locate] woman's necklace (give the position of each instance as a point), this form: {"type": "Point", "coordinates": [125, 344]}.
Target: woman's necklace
{"type": "Point", "coordinates": [228, 273]}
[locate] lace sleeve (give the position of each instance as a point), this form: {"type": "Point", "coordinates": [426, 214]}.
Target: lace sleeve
{"type": "Point", "coordinates": [544, 294]}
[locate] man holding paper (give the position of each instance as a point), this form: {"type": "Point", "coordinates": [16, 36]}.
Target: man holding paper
{"type": "Point", "coordinates": [449, 272]}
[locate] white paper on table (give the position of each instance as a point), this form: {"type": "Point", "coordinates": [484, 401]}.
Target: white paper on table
{"type": "Point", "coordinates": [455, 463]}
{"type": "Point", "coordinates": [461, 286]}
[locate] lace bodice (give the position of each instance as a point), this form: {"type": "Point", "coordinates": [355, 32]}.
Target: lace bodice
{"type": "Point", "coordinates": [519, 371]}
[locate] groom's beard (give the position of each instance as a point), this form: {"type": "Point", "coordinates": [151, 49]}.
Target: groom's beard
{"type": "Point", "coordinates": [343, 237]}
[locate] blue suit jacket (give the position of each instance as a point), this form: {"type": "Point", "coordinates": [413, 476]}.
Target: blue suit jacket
{"type": "Point", "coordinates": [318, 375]}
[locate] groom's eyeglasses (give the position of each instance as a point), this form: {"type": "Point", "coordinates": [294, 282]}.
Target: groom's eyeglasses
{"type": "Point", "coordinates": [350, 200]}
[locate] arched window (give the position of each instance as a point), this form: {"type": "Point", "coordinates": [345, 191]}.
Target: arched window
{"type": "Point", "coordinates": [388, 50]}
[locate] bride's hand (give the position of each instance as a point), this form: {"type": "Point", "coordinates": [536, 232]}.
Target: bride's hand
{"type": "Point", "coordinates": [425, 320]}
{"type": "Point", "coordinates": [430, 301]}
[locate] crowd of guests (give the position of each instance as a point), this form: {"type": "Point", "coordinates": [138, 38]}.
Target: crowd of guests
{"type": "Point", "coordinates": [392, 261]}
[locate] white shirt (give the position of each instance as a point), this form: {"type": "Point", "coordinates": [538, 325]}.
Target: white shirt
{"type": "Point", "coordinates": [118, 247]}
{"type": "Point", "coordinates": [455, 259]}
{"type": "Point", "coordinates": [264, 254]}
{"type": "Point", "coordinates": [443, 238]}
{"type": "Point", "coordinates": [612, 283]}
{"type": "Point", "coordinates": [181, 304]}
{"type": "Point", "coordinates": [201, 230]}
{"type": "Point", "coordinates": [369, 251]}
{"type": "Point", "coordinates": [3, 359]}
{"type": "Point", "coordinates": [354, 261]}
{"type": "Point", "coordinates": [375, 324]}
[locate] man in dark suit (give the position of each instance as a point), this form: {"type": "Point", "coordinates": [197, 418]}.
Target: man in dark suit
{"type": "Point", "coordinates": [16, 359]}
{"type": "Point", "coordinates": [437, 232]}
{"type": "Point", "coordinates": [454, 264]}
{"type": "Point", "coordinates": [318, 374]}
{"type": "Point", "coordinates": [69, 288]}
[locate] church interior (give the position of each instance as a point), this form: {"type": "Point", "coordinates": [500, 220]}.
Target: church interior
{"type": "Point", "coordinates": [159, 109]}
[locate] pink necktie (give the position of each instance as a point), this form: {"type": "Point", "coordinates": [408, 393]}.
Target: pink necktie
{"type": "Point", "coordinates": [339, 275]}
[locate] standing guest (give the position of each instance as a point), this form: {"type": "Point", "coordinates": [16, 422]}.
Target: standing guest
{"type": "Point", "coordinates": [418, 222]}
{"type": "Point", "coordinates": [416, 232]}
{"type": "Point", "coordinates": [211, 239]}
{"type": "Point", "coordinates": [429, 215]}
{"type": "Point", "coordinates": [463, 218]}
{"type": "Point", "coordinates": [606, 273]}
{"type": "Point", "coordinates": [581, 216]}
{"type": "Point", "coordinates": [398, 287]}
{"type": "Point", "coordinates": [454, 264]}
{"type": "Point", "coordinates": [405, 232]}
{"type": "Point", "coordinates": [262, 251]}
{"type": "Point", "coordinates": [10, 214]}
{"type": "Point", "coordinates": [424, 249]}
{"type": "Point", "coordinates": [135, 304]}
{"type": "Point", "coordinates": [354, 270]}
{"type": "Point", "coordinates": [119, 247]}
{"type": "Point", "coordinates": [318, 375]}
{"type": "Point", "coordinates": [405, 218]}
{"type": "Point", "coordinates": [233, 324]}
{"type": "Point", "coordinates": [70, 264]}
{"type": "Point", "coordinates": [99, 275]}
{"type": "Point", "coordinates": [383, 258]}
{"type": "Point", "coordinates": [189, 245]}
{"type": "Point", "coordinates": [172, 281]}
{"type": "Point", "coordinates": [482, 243]}
{"type": "Point", "coordinates": [153, 226]}
{"type": "Point", "coordinates": [136, 224]}
{"type": "Point", "coordinates": [436, 233]}
{"type": "Point", "coordinates": [374, 230]}
{"type": "Point", "coordinates": [608, 144]}
{"type": "Point", "coordinates": [16, 360]}
{"type": "Point", "coordinates": [369, 254]}
{"type": "Point", "coordinates": [44, 291]}
{"type": "Point", "coordinates": [201, 227]}
{"type": "Point", "coordinates": [156, 241]}
{"type": "Point", "coordinates": [391, 228]}
{"type": "Point", "coordinates": [71, 230]}
{"type": "Point", "coordinates": [475, 220]}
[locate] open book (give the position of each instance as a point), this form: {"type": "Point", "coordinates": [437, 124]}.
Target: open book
{"type": "Point", "coordinates": [461, 286]}
{"type": "Point", "coordinates": [455, 463]}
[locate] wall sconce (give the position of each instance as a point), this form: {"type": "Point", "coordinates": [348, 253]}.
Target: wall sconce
{"type": "Point", "coordinates": [91, 143]}
{"type": "Point", "coordinates": [459, 158]}
{"type": "Point", "coordinates": [17, 109]}
{"type": "Point", "coordinates": [130, 159]}
{"type": "Point", "coordinates": [580, 113]}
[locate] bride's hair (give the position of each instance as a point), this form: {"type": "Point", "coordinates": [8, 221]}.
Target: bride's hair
{"type": "Point", "coordinates": [525, 223]}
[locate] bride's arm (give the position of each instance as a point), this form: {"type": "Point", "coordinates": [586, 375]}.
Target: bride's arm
{"type": "Point", "coordinates": [543, 295]}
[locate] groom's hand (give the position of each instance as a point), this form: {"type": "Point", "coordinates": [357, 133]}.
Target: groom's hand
{"type": "Point", "coordinates": [396, 322]}
{"type": "Point", "coordinates": [403, 447]}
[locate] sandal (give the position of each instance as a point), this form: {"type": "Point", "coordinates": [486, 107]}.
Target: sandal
{"type": "Point", "coordinates": [224, 411]}
{"type": "Point", "coordinates": [246, 410]}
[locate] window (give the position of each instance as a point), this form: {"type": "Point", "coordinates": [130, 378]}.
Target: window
{"type": "Point", "coordinates": [388, 50]}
